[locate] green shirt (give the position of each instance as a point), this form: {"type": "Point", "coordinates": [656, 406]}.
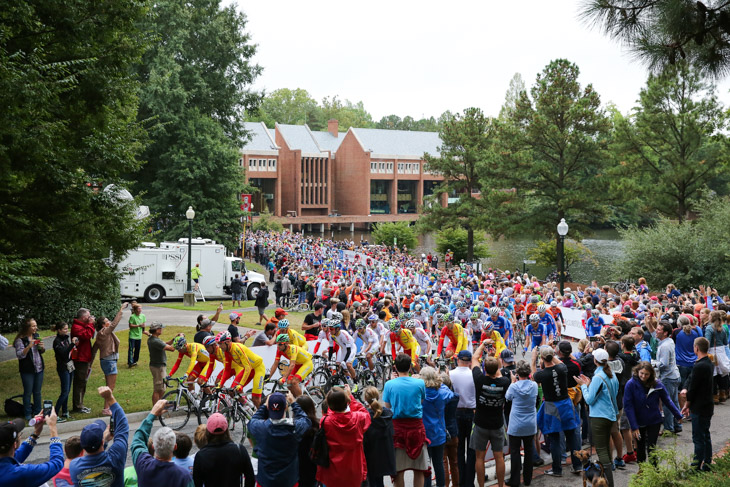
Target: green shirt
{"type": "Point", "coordinates": [195, 273]}
{"type": "Point", "coordinates": [136, 333]}
{"type": "Point", "coordinates": [158, 357]}
{"type": "Point", "coordinates": [130, 477]}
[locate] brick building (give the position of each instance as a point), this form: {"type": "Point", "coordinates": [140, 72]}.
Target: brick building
{"type": "Point", "coordinates": [304, 175]}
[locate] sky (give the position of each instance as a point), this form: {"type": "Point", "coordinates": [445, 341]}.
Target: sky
{"type": "Point", "coordinates": [421, 58]}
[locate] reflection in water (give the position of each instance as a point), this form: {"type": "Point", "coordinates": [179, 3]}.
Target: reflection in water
{"type": "Point", "coordinates": [606, 246]}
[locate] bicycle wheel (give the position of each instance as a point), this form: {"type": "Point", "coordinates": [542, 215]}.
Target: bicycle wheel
{"type": "Point", "coordinates": [301, 308]}
{"type": "Point", "coordinates": [380, 378]}
{"type": "Point", "coordinates": [237, 423]}
{"type": "Point", "coordinates": [365, 379]}
{"type": "Point", "coordinates": [316, 394]}
{"type": "Point", "coordinates": [178, 415]}
{"type": "Point", "coordinates": [207, 405]}
{"type": "Point", "coordinates": [319, 379]}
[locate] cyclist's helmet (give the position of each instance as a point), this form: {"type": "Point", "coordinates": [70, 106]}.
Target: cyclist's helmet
{"type": "Point", "coordinates": [409, 315]}
{"type": "Point", "coordinates": [394, 325]}
{"type": "Point", "coordinates": [283, 324]}
{"type": "Point", "coordinates": [283, 338]}
{"type": "Point", "coordinates": [439, 317]}
{"type": "Point", "coordinates": [222, 336]}
{"type": "Point", "coordinates": [336, 316]}
{"type": "Point", "coordinates": [475, 316]}
{"type": "Point", "coordinates": [460, 304]}
{"type": "Point", "coordinates": [494, 311]}
{"type": "Point", "coordinates": [542, 308]}
{"type": "Point", "coordinates": [418, 307]}
{"type": "Point", "coordinates": [335, 324]}
{"type": "Point", "coordinates": [475, 309]}
{"type": "Point", "coordinates": [553, 304]}
{"type": "Point", "coordinates": [504, 302]}
{"type": "Point", "coordinates": [373, 317]}
{"type": "Point", "coordinates": [411, 324]}
{"type": "Point", "coordinates": [402, 315]}
{"type": "Point", "coordinates": [534, 318]}
{"type": "Point", "coordinates": [534, 299]}
{"type": "Point", "coordinates": [488, 327]}
{"type": "Point", "coordinates": [208, 341]}
{"type": "Point", "coordinates": [359, 324]}
{"type": "Point", "coordinates": [595, 312]}
{"type": "Point", "coordinates": [448, 317]}
{"type": "Point", "coordinates": [179, 343]}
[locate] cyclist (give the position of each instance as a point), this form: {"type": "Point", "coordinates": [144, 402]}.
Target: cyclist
{"type": "Point", "coordinates": [557, 316]}
{"type": "Point", "coordinates": [595, 323]}
{"type": "Point", "coordinates": [531, 307]}
{"type": "Point", "coordinates": [475, 326]}
{"type": "Point", "coordinates": [323, 336]}
{"type": "Point", "coordinates": [422, 337]}
{"type": "Point", "coordinates": [370, 340]}
{"type": "Point", "coordinates": [536, 331]}
{"type": "Point", "coordinates": [380, 330]}
{"type": "Point", "coordinates": [547, 320]}
{"type": "Point", "coordinates": [493, 338]}
{"type": "Point", "coordinates": [461, 314]}
{"type": "Point", "coordinates": [455, 332]}
{"type": "Point", "coordinates": [300, 363]}
{"type": "Point", "coordinates": [295, 337]}
{"type": "Point", "coordinates": [348, 347]}
{"type": "Point", "coordinates": [405, 339]}
{"type": "Point", "coordinates": [215, 353]}
{"type": "Point", "coordinates": [420, 314]}
{"type": "Point", "coordinates": [199, 359]}
{"type": "Point", "coordinates": [251, 363]}
{"type": "Point", "coordinates": [501, 324]}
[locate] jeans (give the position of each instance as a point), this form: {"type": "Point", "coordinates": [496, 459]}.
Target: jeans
{"type": "Point", "coordinates": [436, 456]}
{"type": "Point", "coordinates": [527, 443]}
{"type": "Point", "coordinates": [32, 384]}
{"type": "Point", "coordinates": [671, 385]}
{"type": "Point", "coordinates": [557, 453]}
{"type": "Point", "coordinates": [701, 439]}
{"type": "Point", "coordinates": [302, 297]}
{"type": "Point", "coordinates": [451, 466]}
{"type": "Point", "coordinates": [647, 441]}
{"type": "Point", "coordinates": [466, 456]}
{"type": "Point", "coordinates": [62, 403]}
{"type": "Point", "coordinates": [79, 384]}
{"type": "Point", "coordinates": [601, 428]}
{"type": "Point", "coordinates": [134, 346]}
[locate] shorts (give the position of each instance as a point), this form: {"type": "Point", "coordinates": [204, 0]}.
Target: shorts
{"type": "Point", "coordinates": [413, 352]}
{"type": "Point", "coordinates": [404, 462]}
{"type": "Point", "coordinates": [343, 351]}
{"type": "Point", "coordinates": [109, 367]}
{"type": "Point", "coordinates": [480, 437]}
{"type": "Point", "coordinates": [257, 375]}
{"type": "Point", "coordinates": [158, 377]}
{"type": "Point", "coordinates": [300, 371]}
{"type": "Point", "coordinates": [236, 296]}
{"type": "Point", "coordinates": [623, 422]}
{"type": "Point", "coordinates": [196, 281]}
{"type": "Point", "coordinates": [199, 366]}
{"type": "Point", "coordinates": [262, 310]}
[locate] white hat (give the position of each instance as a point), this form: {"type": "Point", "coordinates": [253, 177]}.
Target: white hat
{"type": "Point", "coordinates": [600, 355]}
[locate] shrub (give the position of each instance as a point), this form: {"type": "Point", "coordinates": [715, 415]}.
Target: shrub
{"type": "Point", "coordinates": [545, 253]}
{"type": "Point", "coordinates": [674, 469]}
{"type": "Point", "coordinates": [456, 240]}
{"type": "Point", "coordinates": [385, 234]}
{"type": "Point", "coordinates": [266, 224]}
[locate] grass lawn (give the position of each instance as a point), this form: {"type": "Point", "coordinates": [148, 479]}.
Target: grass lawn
{"type": "Point", "coordinates": [250, 318]}
{"type": "Point", "coordinates": [253, 266]}
{"type": "Point", "coordinates": [208, 306]}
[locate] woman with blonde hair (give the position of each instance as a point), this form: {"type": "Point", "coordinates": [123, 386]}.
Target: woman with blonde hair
{"type": "Point", "coordinates": [29, 349]}
{"type": "Point", "coordinates": [434, 407]}
{"type": "Point", "coordinates": [378, 439]}
{"type": "Point", "coordinates": [717, 335]}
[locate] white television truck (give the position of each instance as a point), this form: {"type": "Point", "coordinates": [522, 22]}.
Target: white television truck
{"type": "Point", "coordinates": [154, 273]}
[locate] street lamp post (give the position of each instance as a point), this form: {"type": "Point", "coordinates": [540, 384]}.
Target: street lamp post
{"type": "Point", "coordinates": [189, 296]}
{"type": "Point", "coordinates": [562, 232]}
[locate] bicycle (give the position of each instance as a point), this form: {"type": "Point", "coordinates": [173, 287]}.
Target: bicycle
{"type": "Point", "coordinates": [183, 403]}
{"type": "Point", "coordinates": [518, 338]}
{"type": "Point", "coordinates": [623, 285]}
{"type": "Point", "coordinates": [365, 376]}
{"type": "Point", "coordinates": [226, 401]}
{"type": "Point", "coordinates": [315, 393]}
{"type": "Point", "coordinates": [297, 308]}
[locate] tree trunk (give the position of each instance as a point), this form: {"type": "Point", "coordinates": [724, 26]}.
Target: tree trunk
{"type": "Point", "coordinates": [470, 244]}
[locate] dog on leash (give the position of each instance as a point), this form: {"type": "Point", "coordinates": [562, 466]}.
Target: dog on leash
{"type": "Point", "coordinates": [593, 473]}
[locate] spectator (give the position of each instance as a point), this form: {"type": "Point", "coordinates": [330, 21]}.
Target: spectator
{"type": "Point", "coordinates": [434, 407]}
{"type": "Point", "coordinates": [29, 349]}
{"type": "Point", "coordinates": [13, 453]}
{"type": "Point", "coordinates": [72, 449]}
{"type": "Point", "coordinates": [158, 470]}
{"type": "Point", "coordinates": [699, 403]}
{"type": "Point", "coordinates": [266, 335]}
{"type": "Point", "coordinates": [107, 344]}
{"type": "Point", "coordinates": [600, 395]}
{"type": "Point", "coordinates": [205, 325]}
{"type": "Point", "coordinates": [181, 455]}
{"type": "Point", "coordinates": [556, 413]}
{"type": "Point", "coordinates": [4, 342]}
{"type": "Point", "coordinates": [463, 382]}
{"type": "Point", "coordinates": [235, 319]}
{"type": "Point", "coordinates": [307, 468]}
{"type": "Point", "coordinates": [378, 439]}
{"type": "Point", "coordinates": [344, 426]}
{"type": "Point", "coordinates": [158, 359]}
{"type": "Point", "coordinates": [137, 323]}
{"type": "Point", "coordinates": [236, 291]}
{"type": "Point", "coordinates": [83, 329]}
{"type": "Point", "coordinates": [312, 322]}
{"type": "Point", "coordinates": [684, 337]}
{"type": "Point", "coordinates": [102, 466]}
{"type": "Point", "coordinates": [195, 275]}
{"type": "Point", "coordinates": [277, 440]}
{"type": "Point", "coordinates": [200, 437]}
{"type": "Point", "coordinates": [261, 302]}
{"type": "Point", "coordinates": [491, 389]}
{"type": "Point", "coordinates": [286, 289]}
{"type": "Point", "coordinates": [641, 407]}
{"type": "Point", "coordinates": [221, 462]}
{"type": "Point", "coordinates": [668, 371]}
{"type": "Point", "coordinates": [405, 396]}
{"type": "Point", "coordinates": [717, 337]}
{"type": "Point", "coordinates": [451, 466]}
{"type": "Point", "coordinates": [63, 345]}
{"type": "Point", "coordinates": [522, 426]}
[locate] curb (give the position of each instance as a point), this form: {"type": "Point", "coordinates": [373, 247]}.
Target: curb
{"type": "Point", "coordinates": [76, 426]}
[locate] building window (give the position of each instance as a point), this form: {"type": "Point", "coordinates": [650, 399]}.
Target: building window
{"type": "Point", "coordinates": [380, 197]}
{"type": "Point", "coordinates": [272, 165]}
{"type": "Point", "coordinates": [373, 167]}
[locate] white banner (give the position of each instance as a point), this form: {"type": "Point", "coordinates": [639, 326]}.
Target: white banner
{"type": "Point", "coordinates": [574, 326]}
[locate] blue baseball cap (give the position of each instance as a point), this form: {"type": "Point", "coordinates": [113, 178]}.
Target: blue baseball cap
{"type": "Point", "coordinates": [464, 355]}
{"type": "Point", "coordinates": [92, 436]}
{"type": "Point", "coordinates": [276, 405]}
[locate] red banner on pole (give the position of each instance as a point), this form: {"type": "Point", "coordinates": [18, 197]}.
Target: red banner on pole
{"type": "Point", "coordinates": [245, 202]}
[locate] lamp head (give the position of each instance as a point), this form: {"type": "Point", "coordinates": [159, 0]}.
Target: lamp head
{"type": "Point", "coordinates": [562, 228]}
{"type": "Point", "coordinates": [190, 214]}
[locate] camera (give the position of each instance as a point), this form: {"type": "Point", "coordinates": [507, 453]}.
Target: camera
{"type": "Point", "coordinates": [47, 407]}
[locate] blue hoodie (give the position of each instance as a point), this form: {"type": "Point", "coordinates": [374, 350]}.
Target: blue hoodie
{"type": "Point", "coordinates": [642, 408]}
{"type": "Point", "coordinates": [433, 413]}
{"type": "Point", "coordinates": [14, 472]}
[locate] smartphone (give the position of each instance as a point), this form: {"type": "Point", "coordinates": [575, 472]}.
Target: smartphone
{"type": "Point", "coordinates": [112, 424]}
{"type": "Point", "coordinates": [47, 407]}
{"type": "Point", "coordinates": [594, 339]}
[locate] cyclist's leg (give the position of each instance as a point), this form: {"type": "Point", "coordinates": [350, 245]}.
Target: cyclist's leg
{"type": "Point", "coordinates": [292, 380]}
{"type": "Point", "coordinates": [195, 374]}
{"type": "Point", "coordinates": [258, 384]}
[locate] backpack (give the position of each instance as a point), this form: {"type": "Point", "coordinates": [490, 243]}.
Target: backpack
{"type": "Point", "coordinates": [319, 452]}
{"type": "Point", "coordinates": [13, 408]}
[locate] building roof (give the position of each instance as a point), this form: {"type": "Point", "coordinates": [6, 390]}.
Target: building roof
{"type": "Point", "coordinates": [398, 142]}
{"type": "Point", "coordinates": [327, 141]}
{"type": "Point", "coordinates": [299, 137]}
{"type": "Point", "coordinates": [260, 140]}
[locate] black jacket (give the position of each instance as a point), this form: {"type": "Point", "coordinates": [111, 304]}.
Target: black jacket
{"type": "Point", "coordinates": [222, 465]}
{"type": "Point", "coordinates": [699, 388]}
{"type": "Point", "coordinates": [262, 299]}
{"type": "Point", "coordinates": [378, 445]}
{"type": "Point", "coordinates": [62, 347]}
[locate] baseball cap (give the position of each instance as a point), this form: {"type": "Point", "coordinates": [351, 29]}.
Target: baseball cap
{"type": "Point", "coordinates": [9, 432]}
{"type": "Point", "coordinates": [155, 325]}
{"type": "Point", "coordinates": [546, 351]}
{"type": "Point", "coordinates": [565, 347]}
{"type": "Point", "coordinates": [216, 424]}
{"type": "Point", "coordinates": [507, 355]}
{"type": "Point", "coordinates": [600, 355]}
{"type": "Point", "coordinates": [276, 405]}
{"type": "Point", "coordinates": [464, 355]}
{"type": "Point", "coordinates": [280, 312]}
{"type": "Point", "coordinates": [92, 436]}
{"type": "Point", "coordinates": [207, 322]}
{"type": "Point", "coordinates": [234, 315]}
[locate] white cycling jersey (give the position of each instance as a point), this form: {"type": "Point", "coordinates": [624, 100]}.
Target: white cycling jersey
{"type": "Point", "coordinates": [369, 336]}
{"type": "Point", "coordinates": [345, 340]}
{"type": "Point", "coordinates": [422, 337]}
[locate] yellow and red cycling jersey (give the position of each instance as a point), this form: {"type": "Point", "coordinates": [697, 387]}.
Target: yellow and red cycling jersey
{"type": "Point", "coordinates": [405, 339]}
{"type": "Point", "coordinates": [496, 337]}
{"type": "Point", "coordinates": [457, 338]}
{"type": "Point", "coordinates": [295, 354]}
{"type": "Point", "coordinates": [295, 338]}
{"type": "Point", "coordinates": [198, 355]}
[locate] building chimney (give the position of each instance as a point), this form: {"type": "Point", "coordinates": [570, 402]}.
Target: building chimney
{"type": "Point", "coordinates": [333, 127]}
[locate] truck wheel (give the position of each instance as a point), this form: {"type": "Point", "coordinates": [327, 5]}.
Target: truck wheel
{"type": "Point", "coordinates": [154, 294]}
{"type": "Point", "coordinates": [253, 291]}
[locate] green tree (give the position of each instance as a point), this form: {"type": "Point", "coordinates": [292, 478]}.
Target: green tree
{"type": "Point", "coordinates": [287, 106]}
{"type": "Point", "coordinates": [394, 122]}
{"type": "Point", "coordinates": [67, 130]}
{"type": "Point", "coordinates": [687, 254]}
{"type": "Point", "coordinates": [663, 33]}
{"type": "Point", "coordinates": [348, 114]}
{"type": "Point", "coordinates": [554, 155]}
{"type": "Point", "coordinates": [516, 87]}
{"type": "Point", "coordinates": [465, 161]}
{"type": "Point", "coordinates": [196, 81]}
{"type": "Point", "coordinates": [457, 241]}
{"type": "Point", "coordinates": [265, 223]}
{"type": "Point", "coordinates": [545, 253]}
{"type": "Point", "coordinates": [673, 144]}
{"type": "Point", "coordinates": [389, 233]}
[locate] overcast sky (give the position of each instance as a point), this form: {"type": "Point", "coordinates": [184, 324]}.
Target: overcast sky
{"type": "Point", "coordinates": [421, 58]}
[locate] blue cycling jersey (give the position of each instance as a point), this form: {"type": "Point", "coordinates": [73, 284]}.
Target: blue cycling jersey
{"type": "Point", "coordinates": [535, 333]}
{"type": "Point", "coordinates": [594, 325]}
{"type": "Point", "coordinates": [549, 323]}
{"type": "Point", "coordinates": [502, 325]}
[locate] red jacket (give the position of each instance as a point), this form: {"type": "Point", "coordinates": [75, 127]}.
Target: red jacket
{"type": "Point", "coordinates": [84, 332]}
{"type": "Point", "coordinates": [344, 432]}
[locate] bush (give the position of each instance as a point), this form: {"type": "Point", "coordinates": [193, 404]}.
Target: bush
{"type": "Point", "coordinates": [673, 469]}
{"type": "Point", "coordinates": [456, 240]}
{"type": "Point", "coordinates": [266, 224]}
{"type": "Point", "coordinates": [385, 234]}
{"type": "Point", "coordinates": [687, 254]}
{"type": "Point", "coordinates": [545, 253]}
